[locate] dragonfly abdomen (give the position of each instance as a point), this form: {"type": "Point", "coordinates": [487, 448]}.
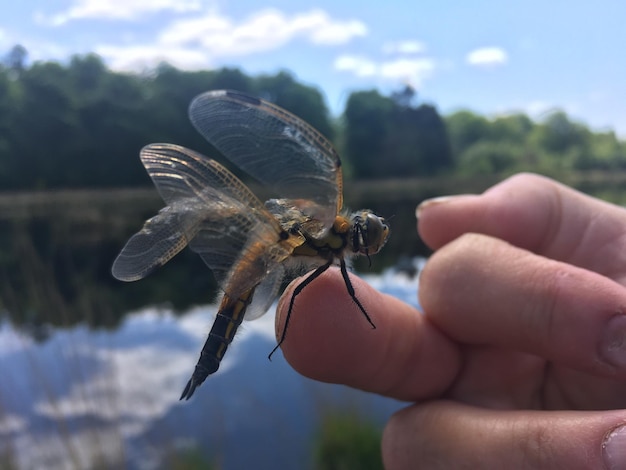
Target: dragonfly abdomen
{"type": "Point", "coordinates": [228, 318]}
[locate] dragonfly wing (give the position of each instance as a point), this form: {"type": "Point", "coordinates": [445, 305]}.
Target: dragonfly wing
{"type": "Point", "coordinates": [265, 294]}
{"type": "Point", "coordinates": [274, 146]}
{"type": "Point", "coordinates": [240, 259]}
{"type": "Point", "coordinates": [211, 210]}
{"type": "Point", "coordinates": [161, 237]}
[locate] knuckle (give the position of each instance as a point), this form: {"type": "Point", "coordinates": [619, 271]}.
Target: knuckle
{"type": "Point", "coordinates": [535, 446]}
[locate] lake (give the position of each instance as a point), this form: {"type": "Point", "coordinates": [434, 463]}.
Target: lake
{"type": "Point", "coordinates": [91, 368]}
{"type": "Point", "coordinates": [84, 397]}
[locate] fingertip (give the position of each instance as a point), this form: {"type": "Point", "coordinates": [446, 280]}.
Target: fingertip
{"type": "Point", "coordinates": [527, 210]}
{"type": "Point", "coordinates": [507, 210]}
{"type": "Point", "coordinates": [329, 339]}
{"type": "Point", "coordinates": [324, 324]}
{"type": "Point", "coordinates": [441, 219]}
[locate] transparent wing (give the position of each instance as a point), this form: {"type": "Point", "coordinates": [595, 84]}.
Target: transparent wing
{"type": "Point", "coordinates": [276, 147]}
{"type": "Point", "coordinates": [161, 237]}
{"type": "Point", "coordinates": [213, 212]}
{"type": "Point", "coordinates": [265, 294]}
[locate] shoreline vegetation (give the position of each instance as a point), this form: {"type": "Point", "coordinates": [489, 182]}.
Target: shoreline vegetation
{"type": "Point", "coordinates": [80, 125]}
{"type": "Point", "coordinates": [87, 203]}
{"type": "Point", "coordinates": [58, 245]}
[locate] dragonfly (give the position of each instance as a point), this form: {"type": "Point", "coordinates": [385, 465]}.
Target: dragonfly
{"type": "Point", "coordinates": [252, 247]}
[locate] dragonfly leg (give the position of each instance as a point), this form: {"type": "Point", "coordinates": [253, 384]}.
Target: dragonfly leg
{"type": "Point", "coordinates": [346, 279]}
{"type": "Point", "coordinates": [314, 275]}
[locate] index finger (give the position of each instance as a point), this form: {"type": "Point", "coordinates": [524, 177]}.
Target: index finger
{"type": "Point", "coordinates": [328, 339]}
{"type": "Point", "coordinates": [537, 214]}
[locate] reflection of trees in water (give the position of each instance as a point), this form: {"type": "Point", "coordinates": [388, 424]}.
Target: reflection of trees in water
{"type": "Point", "coordinates": [56, 249]}
{"type": "Point", "coordinates": [55, 260]}
{"type": "Point", "coordinates": [57, 270]}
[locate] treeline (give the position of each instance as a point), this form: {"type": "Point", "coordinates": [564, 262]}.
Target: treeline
{"type": "Point", "coordinates": [515, 143]}
{"type": "Point", "coordinates": [81, 125]}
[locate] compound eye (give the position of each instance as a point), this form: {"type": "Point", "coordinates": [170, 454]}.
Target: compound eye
{"type": "Point", "coordinates": [377, 232]}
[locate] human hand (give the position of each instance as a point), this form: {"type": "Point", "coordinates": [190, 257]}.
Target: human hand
{"type": "Point", "coordinates": [519, 359]}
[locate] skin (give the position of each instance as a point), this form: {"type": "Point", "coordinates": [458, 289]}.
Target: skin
{"type": "Point", "coordinates": [519, 358]}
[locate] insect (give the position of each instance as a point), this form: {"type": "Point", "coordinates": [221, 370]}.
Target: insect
{"type": "Point", "coordinates": [250, 246]}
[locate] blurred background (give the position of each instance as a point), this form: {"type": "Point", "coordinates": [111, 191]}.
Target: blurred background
{"type": "Point", "coordinates": [421, 99]}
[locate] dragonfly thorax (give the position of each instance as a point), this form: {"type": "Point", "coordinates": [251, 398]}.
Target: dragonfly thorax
{"type": "Point", "coordinates": [368, 232]}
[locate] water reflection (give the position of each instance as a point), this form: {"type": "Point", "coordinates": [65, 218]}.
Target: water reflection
{"type": "Point", "coordinates": [110, 398]}
{"type": "Point", "coordinates": [55, 261]}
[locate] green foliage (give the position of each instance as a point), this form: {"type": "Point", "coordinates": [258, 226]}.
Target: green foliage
{"type": "Point", "coordinates": [367, 125]}
{"type": "Point", "coordinates": [608, 152]}
{"type": "Point", "coordinates": [16, 59]}
{"type": "Point", "coordinates": [514, 143]}
{"type": "Point", "coordinates": [81, 125]}
{"type": "Point", "coordinates": [488, 157]}
{"type": "Point", "coordinates": [346, 442]}
{"type": "Point", "coordinates": [409, 141]}
{"type": "Point", "coordinates": [465, 129]}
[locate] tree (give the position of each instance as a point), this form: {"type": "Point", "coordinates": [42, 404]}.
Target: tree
{"type": "Point", "coordinates": [430, 142]}
{"type": "Point", "coordinates": [514, 128]}
{"type": "Point", "coordinates": [465, 129]}
{"type": "Point", "coordinates": [304, 101]}
{"type": "Point", "coordinates": [607, 152]}
{"type": "Point", "coordinates": [367, 126]}
{"type": "Point", "coordinates": [558, 134]}
{"type": "Point", "coordinates": [82, 125]}
{"type": "Point", "coordinates": [487, 157]}
{"type": "Point", "coordinates": [16, 59]}
{"type": "Point", "coordinates": [387, 137]}
{"type": "Point", "coordinates": [8, 98]}
{"type": "Point", "coordinates": [405, 98]}
{"type": "Point", "coordinates": [45, 128]}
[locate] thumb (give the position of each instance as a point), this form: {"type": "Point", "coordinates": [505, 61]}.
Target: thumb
{"type": "Point", "coordinates": [442, 434]}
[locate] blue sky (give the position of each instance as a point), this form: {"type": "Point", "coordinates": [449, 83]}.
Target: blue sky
{"type": "Point", "coordinates": [491, 57]}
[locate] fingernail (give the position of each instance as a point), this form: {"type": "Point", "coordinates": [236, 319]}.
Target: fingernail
{"type": "Point", "coordinates": [614, 341]}
{"type": "Point", "coordinates": [614, 449]}
{"type": "Point", "coordinates": [432, 202]}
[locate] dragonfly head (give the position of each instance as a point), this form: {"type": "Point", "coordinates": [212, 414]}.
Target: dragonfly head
{"type": "Point", "coordinates": [368, 234]}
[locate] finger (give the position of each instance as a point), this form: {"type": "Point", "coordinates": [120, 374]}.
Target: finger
{"type": "Point", "coordinates": [537, 214]}
{"type": "Point", "coordinates": [482, 291]}
{"type": "Point", "coordinates": [329, 339]}
{"type": "Point", "coordinates": [451, 435]}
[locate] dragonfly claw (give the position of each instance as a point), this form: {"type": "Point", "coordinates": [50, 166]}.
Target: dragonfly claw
{"type": "Point", "coordinates": [189, 389]}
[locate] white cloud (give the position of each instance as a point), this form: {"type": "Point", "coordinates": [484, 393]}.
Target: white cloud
{"type": "Point", "coordinates": [538, 108]}
{"type": "Point", "coordinates": [196, 42]}
{"type": "Point", "coordinates": [324, 30]}
{"type": "Point", "coordinates": [360, 66]}
{"type": "Point", "coordinates": [12, 424]}
{"type": "Point", "coordinates": [116, 10]}
{"type": "Point", "coordinates": [139, 58]}
{"type": "Point", "coordinates": [487, 56]}
{"type": "Point", "coordinates": [412, 70]}
{"type": "Point", "coordinates": [407, 70]}
{"type": "Point", "coordinates": [264, 30]}
{"type": "Point", "coordinates": [408, 64]}
{"type": "Point", "coordinates": [404, 47]}
{"type": "Point", "coordinates": [193, 42]}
